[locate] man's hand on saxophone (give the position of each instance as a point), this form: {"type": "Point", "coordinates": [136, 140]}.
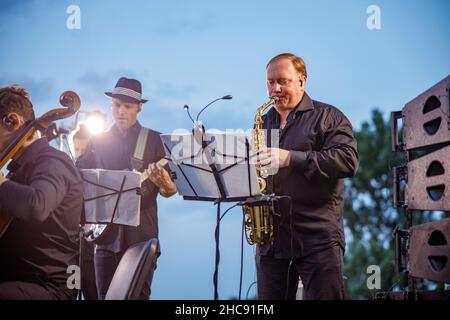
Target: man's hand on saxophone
{"type": "Point", "coordinates": [273, 158]}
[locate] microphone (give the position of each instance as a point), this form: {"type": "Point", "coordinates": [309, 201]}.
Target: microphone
{"type": "Point", "coordinates": [227, 97]}
{"type": "Point", "coordinates": [198, 130]}
{"type": "Point", "coordinates": [186, 108]}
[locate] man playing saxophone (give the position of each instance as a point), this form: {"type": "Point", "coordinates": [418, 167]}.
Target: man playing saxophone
{"type": "Point", "coordinates": [316, 151]}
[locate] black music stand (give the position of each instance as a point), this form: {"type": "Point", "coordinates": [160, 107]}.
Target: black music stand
{"type": "Point", "coordinates": [105, 192]}
{"type": "Point", "coordinates": [212, 166]}
{"type": "Point", "coordinates": [108, 186]}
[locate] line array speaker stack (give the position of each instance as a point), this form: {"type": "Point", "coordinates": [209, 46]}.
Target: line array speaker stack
{"type": "Point", "coordinates": [422, 183]}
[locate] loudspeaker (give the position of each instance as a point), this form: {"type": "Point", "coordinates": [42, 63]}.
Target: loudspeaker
{"type": "Point", "coordinates": [426, 118]}
{"type": "Point", "coordinates": [429, 251]}
{"type": "Point", "coordinates": [428, 186]}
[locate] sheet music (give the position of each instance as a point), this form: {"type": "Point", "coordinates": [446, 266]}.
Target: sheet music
{"type": "Point", "coordinates": [192, 161]}
{"type": "Point", "coordinates": [101, 209]}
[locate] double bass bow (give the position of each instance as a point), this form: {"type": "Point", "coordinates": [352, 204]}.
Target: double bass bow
{"type": "Point", "coordinates": [71, 104]}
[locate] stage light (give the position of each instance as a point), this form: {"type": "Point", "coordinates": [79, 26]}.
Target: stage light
{"type": "Point", "coordinates": [95, 122]}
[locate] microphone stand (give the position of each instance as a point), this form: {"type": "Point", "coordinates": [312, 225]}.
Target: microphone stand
{"type": "Point", "coordinates": [198, 132]}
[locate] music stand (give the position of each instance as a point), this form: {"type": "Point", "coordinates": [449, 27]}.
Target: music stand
{"type": "Point", "coordinates": [212, 166]}
{"type": "Point", "coordinates": [111, 196]}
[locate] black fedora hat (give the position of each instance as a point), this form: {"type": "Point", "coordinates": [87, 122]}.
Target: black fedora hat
{"type": "Point", "coordinates": [129, 90]}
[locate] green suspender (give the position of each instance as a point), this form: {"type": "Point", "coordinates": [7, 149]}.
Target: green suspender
{"type": "Point", "coordinates": [137, 160]}
{"type": "Point", "coordinates": [141, 142]}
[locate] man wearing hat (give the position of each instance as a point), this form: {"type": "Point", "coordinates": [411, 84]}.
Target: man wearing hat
{"type": "Point", "coordinates": [116, 150]}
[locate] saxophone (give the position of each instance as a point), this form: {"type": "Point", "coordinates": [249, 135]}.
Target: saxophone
{"type": "Point", "coordinates": [258, 222]}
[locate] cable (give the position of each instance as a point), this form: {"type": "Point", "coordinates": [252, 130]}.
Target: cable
{"type": "Point", "coordinates": [216, 270]}
{"type": "Point", "coordinates": [226, 211]}
{"type": "Point", "coordinates": [255, 277]}
{"type": "Point", "coordinates": [242, 245]}
{"type": "Point", "coordinates": [248, 290]}
{"type": "Point", "coordinates": [64, 137]}
{"type": "Point", "coordinates": [242, 255]}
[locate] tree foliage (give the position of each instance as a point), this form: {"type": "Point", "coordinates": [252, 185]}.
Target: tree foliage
{"type": "Point", "coordinates": [369, 214]}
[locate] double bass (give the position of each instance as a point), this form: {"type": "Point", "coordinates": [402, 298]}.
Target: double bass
{"type": "Point", "coordinates": [71, 103]}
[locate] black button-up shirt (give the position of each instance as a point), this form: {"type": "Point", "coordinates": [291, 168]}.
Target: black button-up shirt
{"type": "Point", "coordinates": [323, 152]}
{"type": "Point", "coordinates": [45, 197]}
{"type": "Point", "coordinates": [113, 151]}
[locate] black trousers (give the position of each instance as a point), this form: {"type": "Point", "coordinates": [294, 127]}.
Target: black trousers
{"type": "Point", "coordinates": [321, 274]}
{"type": "Point", "coordinates": [106, 263]}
